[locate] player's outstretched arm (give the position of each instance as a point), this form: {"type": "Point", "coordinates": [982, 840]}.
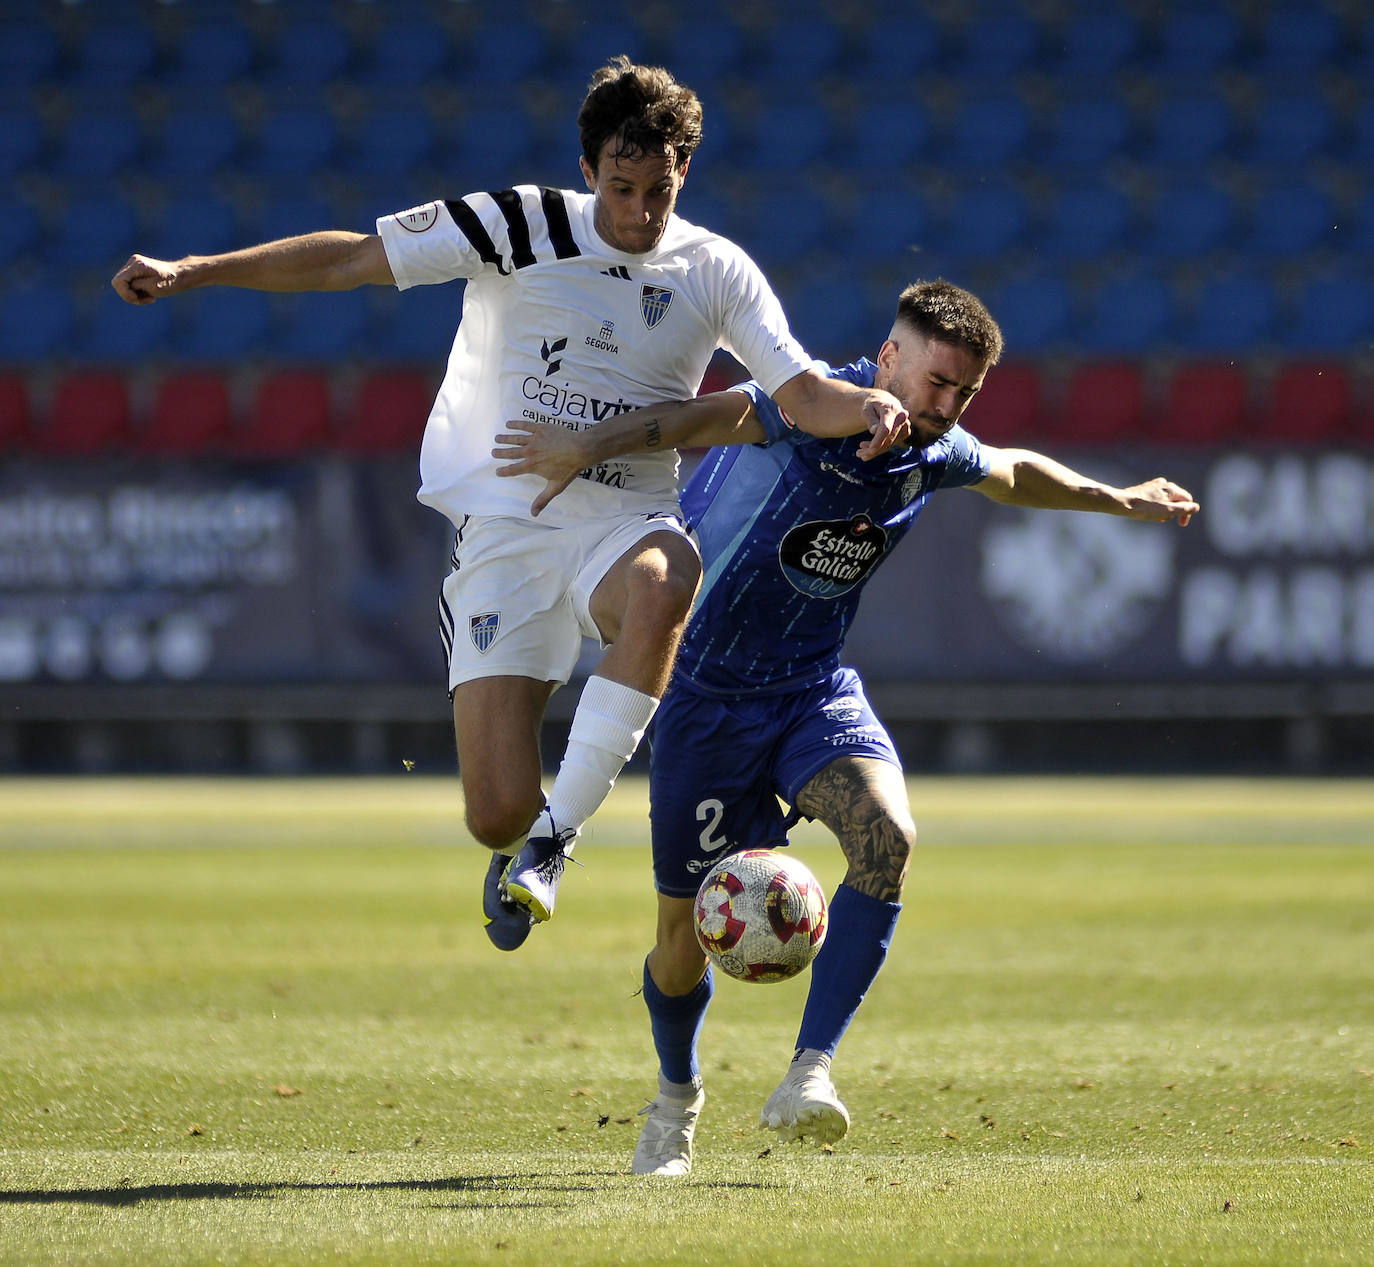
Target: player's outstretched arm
{"type": "Point", "coordinates": [332, 260]}
{"type": "Point", "coordinates": [824, 406]}
{"type": "Point", "coordinates": [1021, 477]}
{"type": "Point", "coordinates": [558, 454]}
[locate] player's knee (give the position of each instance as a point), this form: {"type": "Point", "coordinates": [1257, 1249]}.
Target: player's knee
{"type": "Point", "coordinates": [885, 857]}
{"type": "Point", "coordinates": [678, 963]}
{"type": "Point", "coordinates": [501, 820]}
{"type": "Point", "coordinates": [663, 587]}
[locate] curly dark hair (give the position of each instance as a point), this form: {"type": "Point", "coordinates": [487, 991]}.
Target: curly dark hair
{"type": "Point", "coordinates": [946, 312]}
{"type": "Point", "coordinates": [643, 109]}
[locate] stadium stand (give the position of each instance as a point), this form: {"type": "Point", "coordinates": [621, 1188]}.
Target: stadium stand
{"type": "Point", "coordinates": [191, 413]}
{"type": "Point", "coordinates": [16, 413]}
{"type": "Point", "coordinates": [387, 412]}
{"type": "Point", "coordinates": [1007, 408]}
{"type": "Point", "coordinates": [90, 414]}
{"type": "Point", "coordinates": [1307, 403]}
{"type": "Point", "coordinates": [1204, 403]}
{"type": "Point", "coordinates": [290, 415]}
{"type": "Point", "coordinates": [1104, 403]}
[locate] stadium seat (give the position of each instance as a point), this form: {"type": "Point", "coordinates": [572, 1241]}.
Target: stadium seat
{"type": "Point", "coordinates": [891, 222]}
{"type": "Point", "coordinates": [389, 411]}
{"type": "Point", "coordinates": [587, 45]}
{"type": "Point", "coordinates": [322, 326]}
{"type": "Point", "coordinates": [221, 324]}
{"type": "Point", "coordinates": [1362, 125]}
{"type": "Point", "coordinates": [829, 312]}
{"type": "Point", "coordinates": [294, 141]}
{"type": "Point", "coordinates": [490, 146]}
{"type": "Point", "coordinates": [191, 414]}
{"type": "Point", "coordinates": [21, 142]}
{"type": "Point", "coordinates": [784, 135]}
{"type": "Point", "coordinates": [506, 50]}
{"type": "Point", "coordinates": [1232, 313]}
{"type": "Point", "coordinates": [1291, 128]}
{"type": "Point", "coordinates": [704, 48]}
{"type": "Point", "coordinates": [990, 130]}
{"type": "Point", "coordinates": [777, 241]}
{"type": "Point", "coordinates": [291, 414]}
{"type": "Point", "coordinates": [1188, 219]}
{"type": "Point", "coordinates": [1104, 403]}
{"type": "Point", "coordinates": [1087, 130]}
{"type": "Point", "coordinates": [798, 50]}
{"type": "Point", "coordinates": [1096, 43]}
{"type": "Point", "coordinates": [406, 55]}
{"type": "Point", "coordinates": [1187, 129]}
{"type": "Point", "coordinates": [113, 55]}
{"type": "Point", "coordinates": [29, 53]}
{"type": "Point", "coordinates": [902, 45]}
{"type": "Point", "coordinates": [1084, 221]}
{"type": "Point", "coordinates": [97, 145]}
{"type": "Point", "coordinates": [90, 414]}
{"type": "Point", "coordinates": [1289, 217]}
{"type": "Point", "coordinates": [36, 322]}
{"type": "Point", "coordinates": [211, 54]}
{"type": "Point", "coordinates": [1332, 315]}
{"type": "Point", "coordinates": [1197, 39]}
{"type": "Point", "coordinates": [16, 413]}
{"type": "Point", "coordinates": [1035, 312]}
{"type": "Point", "coordinates": [94, 231]}
{"type": "Point", "coordinates": [1007, 407]}
{"type": "Point", "coordinates": [1307, 403]}
{"type": "Point", "coordinates": [114, 333]}
{"type": "Point", "coordinates": [198, 223]}
{"type": "Point", "coordinates": [1204, 403]}
{"type": "Point", "coordinates": [1135, 314]}
{"type": "Point", "coordinates": [1299, 39]}
{"type": "Point", "coordinates": [985, 219]}
{"type": "Point", "coordinates": [196, 142]}
{"type": "Point", "coordinates": [391, 143]}
{"type": "Point", "coordinates": [292, 214]}
{"type": "Point", "coordinates": [308, 54]}
{"type": "Point", "coordinates": [995, 45]}
{"type": "Point", "coordinates": [19, 228]}
{"type": "Point", "coordinates": [900, 123]}
{"type": "Point", "coordinates": [415, 326]}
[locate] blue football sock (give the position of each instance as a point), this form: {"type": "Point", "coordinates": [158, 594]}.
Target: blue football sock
{"type": "Point", "coordinates": [856, 942]}
{"type": "Point", "coordinates": [676, 1022]}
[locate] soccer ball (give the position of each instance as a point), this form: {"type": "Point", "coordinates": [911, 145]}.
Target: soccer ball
{"type": "Point", "coordinates": [760, 916]}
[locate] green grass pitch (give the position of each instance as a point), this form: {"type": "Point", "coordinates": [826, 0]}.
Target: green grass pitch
{"type": "Point", "coordinates": [1123, 1022]}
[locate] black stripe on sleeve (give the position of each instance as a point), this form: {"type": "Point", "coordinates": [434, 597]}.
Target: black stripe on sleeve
{"type": "Point", "coordinates": [518, 227]}
{"type": "Point", "coordinates": [467, 220]}
{"type": "Point", "coordinates": [560, 231]}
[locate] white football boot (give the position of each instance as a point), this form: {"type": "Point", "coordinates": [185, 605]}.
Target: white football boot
{"type": "Point", "coordinates": [805, 1105]}
{"type": "Point", "coordinates": [665, 1143]}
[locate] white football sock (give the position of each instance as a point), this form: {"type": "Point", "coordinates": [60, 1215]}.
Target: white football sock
{"type": "Point", "coordinates": [606, 729]}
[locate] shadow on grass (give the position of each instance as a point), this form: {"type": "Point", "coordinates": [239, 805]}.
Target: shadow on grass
{"type": "Point", "coordinates": [494, 1184]}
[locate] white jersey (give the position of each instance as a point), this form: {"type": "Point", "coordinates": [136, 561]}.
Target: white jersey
{"type": "Point", "coordinates": [561, 328]}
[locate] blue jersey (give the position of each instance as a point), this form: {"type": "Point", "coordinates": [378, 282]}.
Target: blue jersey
{"type": "Point", "coordinates": [790, 530]}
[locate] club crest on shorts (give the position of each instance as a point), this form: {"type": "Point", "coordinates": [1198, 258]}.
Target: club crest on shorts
{"type": "Point", "coordinates": [483, 629]}
{"type": "Point", "coordinates": [654, 302]}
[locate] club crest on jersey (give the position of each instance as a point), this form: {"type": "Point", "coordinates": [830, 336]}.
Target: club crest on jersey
{"type": "Point", "coordinates": [418, 219]}
{"type": "Point", "coordinates": [654, 302]}
{"type": "Point", "coordinates": [913, 485]}
{"type": "Point", "coordinates": [483, 630]}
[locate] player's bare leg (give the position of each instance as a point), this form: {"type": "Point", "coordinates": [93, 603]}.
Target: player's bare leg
{"type": "Point", "coordinates": [863, 801]}
{"type": "Point", "coordinates": [677, 991]}
{"type": "Point", "coordinates": [496, 722]}
{"type": "Point", "coordinates": [640, 607]}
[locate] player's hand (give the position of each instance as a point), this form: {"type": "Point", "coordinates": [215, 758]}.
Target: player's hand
{"type": "Point", "coordinates": [536, 448]}
{"type": "Point", "coordinates": [888, 425]}
{"type": "Point", "coordinates": [143, 280]}
{"type": "Point", "coordinates": [1159, 500]}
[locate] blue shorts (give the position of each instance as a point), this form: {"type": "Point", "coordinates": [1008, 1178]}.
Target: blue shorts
{"type": "Point", "coordinates": [717, 767]}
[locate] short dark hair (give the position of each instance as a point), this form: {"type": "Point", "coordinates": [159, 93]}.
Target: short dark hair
{"type": "Point", "coordinates": [643, 109]}
{"type": "Point", "coordinates": [943, 311]}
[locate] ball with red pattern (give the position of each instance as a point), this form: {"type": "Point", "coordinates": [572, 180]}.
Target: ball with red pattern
{"type": "Point", "coordinates": [760, 915]}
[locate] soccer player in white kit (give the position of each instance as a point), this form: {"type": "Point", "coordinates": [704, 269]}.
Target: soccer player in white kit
{"type": "Point", "coordinates": [579, 307]}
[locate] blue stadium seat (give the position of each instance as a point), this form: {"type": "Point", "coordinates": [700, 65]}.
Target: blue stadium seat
{"type": "Point", "coordinates": [703, 49]}
{"type": "Point", "coordinates": [1085, 221]}
{"type": "Point", "coordinates": [1188, 219]}
{"type": "Point", "coordinates": [1357, 231]}
{"type": "Point", "coordinates": [1331, 314]}
{"type": "Point", "coordinates": [293, 214]}
{"type": "Point", "coordinates": [1089, 129]}
{"type": "Point", "coordinates": [19, 228]}
{"type": "Point", "coordinates": [392, 142]}
{"type": "Point", "coordinates": [890, 223]}
{"type": "Point", "coordinates": [798, 50]}
{"type": "Point", "coordinates": [989, 131]}
{"type": "Point", "coordinates": [416, 325]}
{"type": "Point", "coordinates": [597, 38]}
{"type": "Point", "coordinates": [491, 146]}
{"type": "Point", "coordinates": [407, 55]}
{"type": "Point", "coordinates": [898, 47]}
{"type": "Point", "coordinates": [221, 324]}
{"type": "Point", "coordinates": [1234, 314]}
{"type": "Point", "coordinates": [29, 53]}
{"type": "Point", "coordinates": [36, 322]}
{"type": "Point", "coordinates": [113, 55]}
{"type": "Point", "coordinates": [115, 333]}
{"type": "Point", "coordinates": [319, 326]}
{"type": "Point", "coordinates": [784, 135]}
{"type": "Point", "coordinates": [1289, 217]}
{"type": "Point", "coordinates": [785, 222]}
{"type": "Point", "coordinates": [1198, 39]}
{"type": "Point", "coordinates": [830, 312]}
{"type": "Point", "coordinates": [984, 220]}
{"type": "Point", "coordinates": [21, 142]}
{"type": "Point", "coordinates": [1188, 128]}
{"type": "Point", "coordinates": [295, 141]}
{"type": "Point", "coordinates": [1133, 315]}
{"type": "Point", "coordinates": [1096, 43]}
{"type": "Point", "coordinates": [196, 142]}
{"type": "Point", "coordinates": [98, 145]}
{"type": "Point", "coordinates": [94, 231]}
{"type": "Point", "coordinates": [211, 54]}
{"type": "Point", "coordinates": [505, 51]}
{"type": "Point", "coordinates": [1290, 128]}
{"type": "Point", "coordinates": [900, 124]}
{"type": "Point", "coordinates": [1299, 39]}
{"type": "Point", "coordinates": [1362, 138]}
{"type": "Point", "coordinates": [195, 224]}
{"type": "Point", "coordinates": [1035, 312]}
{"type": "Point", "coordinates": [308, 53]}
{"type": "Point", "coordinates": [995, 45]}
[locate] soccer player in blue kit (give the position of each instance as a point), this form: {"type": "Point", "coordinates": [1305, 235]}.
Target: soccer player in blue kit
{"type": "Point", "coordinates": [791, 525]}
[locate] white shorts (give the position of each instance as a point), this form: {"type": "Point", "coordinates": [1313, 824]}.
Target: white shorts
{"type": "Point", "coordinates": [517, 602]}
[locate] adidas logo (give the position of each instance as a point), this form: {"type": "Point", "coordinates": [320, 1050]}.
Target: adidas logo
{"type": "Point", "coordinates": [617, 270]}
